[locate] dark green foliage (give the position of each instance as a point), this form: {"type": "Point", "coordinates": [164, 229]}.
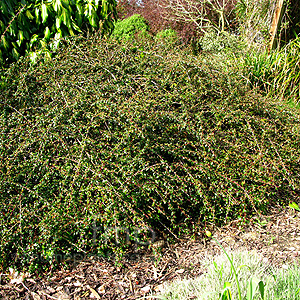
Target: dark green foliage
{"type": "Point", "coordinates": [107, 135]}
{"type": "Point", "coordinates": [129, 28]}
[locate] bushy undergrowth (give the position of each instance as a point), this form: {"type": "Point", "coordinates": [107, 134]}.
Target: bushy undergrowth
{"type": "Point", "coordinates": [129, 28]}
{"type": "Point", "coordinates": [168, 36]}
{"type": "Point", "coordinates": [135, 137]}
{"type": "Point", "coordinates": [221, 43]}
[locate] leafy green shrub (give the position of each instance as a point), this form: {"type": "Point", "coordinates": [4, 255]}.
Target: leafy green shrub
{"type": "Point", "coordinates": [167, 35]}
{"type": "Point", "coordinates": [108, 136]}
{"type": "Point", "coordinates": [26, 27]}
{"type": "Point", "coordinates": [128, 28]}
{"type": "Point", "coordinates": [214, 42]}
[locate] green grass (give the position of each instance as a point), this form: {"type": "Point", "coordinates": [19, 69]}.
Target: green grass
{"type": "Point", "coordinates": [286, 84]}
{"type": "Point", "coordinates": [279, 283]}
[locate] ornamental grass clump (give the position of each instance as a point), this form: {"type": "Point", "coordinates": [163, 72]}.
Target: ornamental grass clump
{"type": "Point", "coordinates": [286, 84]}
{"type": "Point", "coordinates": [108, 145]}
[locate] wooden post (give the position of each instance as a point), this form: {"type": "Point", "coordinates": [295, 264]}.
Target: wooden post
{"type": "Point", "coordinates": [278, 14]}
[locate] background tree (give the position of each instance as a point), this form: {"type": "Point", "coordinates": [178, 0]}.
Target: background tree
{"type": "Point", "coordinates": [204, 14]}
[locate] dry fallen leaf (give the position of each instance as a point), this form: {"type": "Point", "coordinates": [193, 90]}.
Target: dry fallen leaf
{"type": "Point", "coordinates": [50, 290]}
{"type": "Point", "coordinates": [35, 296]}
{"type": "Point", "coordinates": [77, 283]}
{"type": "Point", "coordinates": [31, 280]}
{"type": "Point", "coordinates": [146, 289]}
{"type": "Point", "coordinates": [94, 294]}
{"type": "Point", "coordinates": [101, 289]}
{"type": "Point", "coordinates": [15, 277]}
{"type": "Point", "coordinates": [158, 288]}
{"type": "Point", "coordinates": [61, 296]}
{"type": "Point", "coordinates": [180, 271]}
{"type": "Point", "coordinates": [69, 278]}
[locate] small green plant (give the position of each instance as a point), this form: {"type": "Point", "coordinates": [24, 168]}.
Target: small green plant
{"type": "Point", "coordinates": [251, 279]}
{"type": "Point", "coordinates": [129, 28]}
{"type": "Point", "coordinates": [219, 282]}
{"type": "Point", "coordinates": [216, 42]}
{"type": "Point", "coordinates": [253, 284]}
{"type": "Point", "coordinates": [168, 35]}
{"type": "Point", "coordinates": [294, 205]}
{"type": "Point", "coordinates": [286, 284]}
{"type": "Point", "coordinates": [277, 73]}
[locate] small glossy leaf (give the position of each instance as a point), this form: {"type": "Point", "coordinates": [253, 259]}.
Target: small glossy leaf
{"type": "Point", "coordinates": [43, 43]}
{"type": "Point", "coordinates": [57, 22]}
{"type": "Point", "coordinates": [261, 287]}
{"type": "Point", "coordinates": [44, 13]}
{"type": "Point", "coordinates": [71, 31]}
{"type": "Point", "coordinates": [88, 10]}
{"type": "Point", "coordinates": [226, 293]}
{"type": "Point", "coordinates": [57, 6]}
{"type": "Point", "coordinates": [66, 4]}
{"type": "Point", "coordinates": [47, 33]}
{"type": "Point", "coordinates": [5, 42]}
{"type": "Point", "coordinates": [29, 15]}
{"type": "Point", "coordinates": [47, 55]}
{"type": "Point", "coordinates": [33, 57]}
{"type": "Point", "coordinates": [2, 27]}
{"type": "Point", "coordinates": [294, 206]}
{"type": "Point", "coordinates": [37, 14]}
{"type": "Point", "coordinates": [92, 21]}
{"type": "Point", "coordinates": [15, 53]}
{"type": "Point", "coordinates": [208, 233]}
{"type": "Point", "coordinates": [33, 39]}
{"type": "Point", "coordinates": [76, 27]}
{"type": "Point", "coordinates": [79, 8]}
{"type": "Point", "coordinates": [20, 36]}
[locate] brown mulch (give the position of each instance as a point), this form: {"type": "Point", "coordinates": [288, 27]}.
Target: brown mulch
{"type": "Point", "coordinates": [276, 237]}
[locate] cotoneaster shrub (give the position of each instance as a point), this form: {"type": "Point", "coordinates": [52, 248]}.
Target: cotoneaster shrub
{"type": "Point", "coordinates": [135, 137]}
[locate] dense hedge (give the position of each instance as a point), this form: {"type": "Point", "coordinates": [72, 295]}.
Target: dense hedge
{"type": "Point", "coordinates": [138, 137]}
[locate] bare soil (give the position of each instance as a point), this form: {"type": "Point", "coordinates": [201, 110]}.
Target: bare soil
{"type": "Point", "coordinates": [275, 236]}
